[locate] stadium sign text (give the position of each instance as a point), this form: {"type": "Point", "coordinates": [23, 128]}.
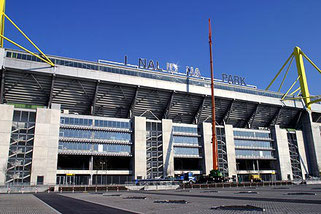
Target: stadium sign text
{"type": "Point", "coordinates": [170, 67]}
{"type": "Point", "coordinates": [237, 80]}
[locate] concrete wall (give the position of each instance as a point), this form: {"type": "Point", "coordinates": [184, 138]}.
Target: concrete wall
{"type": "Point", "coordinates": [282, 148]}
{"type": "Point", "coordinates": [303, 158]}
{"type": "Point", "coordinates": [45, 148]}
{"type": "Point", "coordinates": [230, 149]}
{"type": "Point", "coordinates": [207, 146]}
{"type": "Point", "coordinates": [6, 112]}
{"type": "Point", "coordinates": [140, 147]}
{"type": "Point", "coordinates": [168, 151]}
{"type": "Point", "coordinates": [312, 139]}
{"type": "Point", "coordinates": [317, 144]}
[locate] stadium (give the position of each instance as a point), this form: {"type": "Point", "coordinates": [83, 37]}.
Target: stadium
{"type": "Point", "coordinates": [89, 123]}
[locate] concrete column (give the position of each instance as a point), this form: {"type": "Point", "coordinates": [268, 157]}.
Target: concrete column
{"type": "Point", "coordinates": [230, 149]}
{"type": "Point", "coordinates": [6, 112]}
{"type": "Point", "coordinates": [91, 163]}
{"type": "Point", "coordinates": [168, 151]}
{"type": "Point", "coordinates": [316, 134]}
{"type": "Point", "coordinates": [312, 139]}
{"type": "Point", "coordinates": [303, 158]}
{"type": "Point", "coordinates": [140, 168]}
{"type": "Point", "coordinates": [207, 146]}
{"type": "Point", "coordinates": [282, 148]}
{"type": "Point", "coordinates": [91, 168]}
{"type": "Point", "coordinates": [45, 148]}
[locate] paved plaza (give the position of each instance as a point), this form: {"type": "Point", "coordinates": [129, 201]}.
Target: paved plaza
{"type": "Point", "coordinates": [279, 199]}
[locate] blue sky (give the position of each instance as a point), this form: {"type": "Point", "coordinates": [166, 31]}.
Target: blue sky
{"type": "Point", "coordinates": [252, 38]}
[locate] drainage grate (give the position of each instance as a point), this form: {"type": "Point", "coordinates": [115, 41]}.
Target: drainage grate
{"type": "Point", "coordinates": [247, 192]}
{"type": "Point", "coordinates": [300, 193]}
{"type": "Point", "coordinates": [113, 195]}
{"type": "Point", "coordinates": [171, 202]}
{"type": "Point", "coordinates": [135, 197]}
{"type": "Point", "coordinates": [239, 207]}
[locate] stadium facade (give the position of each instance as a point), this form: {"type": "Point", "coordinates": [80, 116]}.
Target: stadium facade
{"type": "Point", "coordinates": [84, 122]}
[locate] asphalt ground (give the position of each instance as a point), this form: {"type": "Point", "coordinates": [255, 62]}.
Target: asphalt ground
{"type": "Point", "coordinates": [64, 204]}
{"type": "Point", "coordinates": [279, 199]}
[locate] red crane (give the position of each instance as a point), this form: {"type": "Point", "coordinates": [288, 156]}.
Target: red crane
{"type": "Point", "coordinates": [214, 140]}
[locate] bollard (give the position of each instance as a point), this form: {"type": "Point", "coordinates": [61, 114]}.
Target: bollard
{"type": "Point", "coordinates": [60, 189]}
{"type": "Point", "coordinates": [117, 189]}
{"type": "Point", "coordinates": [9, 190]}
{"type": "Point", "coordinates": [96, 189]}
{"type": "Point", "coordinates": [22, 190]}
{"type": "Point", "coordinates": [36, 190]}
{"type": "Point", "coordinates": [73, 189]}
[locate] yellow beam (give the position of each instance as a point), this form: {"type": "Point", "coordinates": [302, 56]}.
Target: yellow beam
{"type": "Point", "coordinates": [28, 39]}
{"type": "Point", "coordinates": [315, 101]}
{"type": "Point", "coordinates": [314, 65]}
{"type": "Point", "coordinates": [2, 19]}
{"type": "Point", "coordinates": [267, 88]}
{"type": "Point", "coordinates": [25, 49]}
{"type": "Point", "coordinates": [295, 91]}
{"type": "Point", "coordinates": [303, 79]}
{"type": "Point", "coordinates": [290, 88]}
{"type": "Point", "coordinates": [286, 73]}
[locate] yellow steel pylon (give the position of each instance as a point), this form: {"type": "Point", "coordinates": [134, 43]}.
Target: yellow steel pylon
{"type": "Point", "coordinates": [304, 88]}
{"type": "Point", "coordinates": [42, 57]}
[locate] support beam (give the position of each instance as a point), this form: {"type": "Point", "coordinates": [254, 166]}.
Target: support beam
{"type": "Point", "coordinates": [17, 82]}
{"type": "Point", "coordinates": [51, 90]}
{"type": "Point", "coordinates": [64, 88]}
{"type": "Point", "coordinates": [39, 85]}
{"type": "Point", "coordinates": [274, 119]}
{"type": "Point", "coordinates": [2, 87]}
{"type": "Point", "coordinates": [303, 79]}
{"type": "Point", "coordinates": [198, 113]}
{"type": "Point", "coordinates": [133, 103]}
{"type": "Point", "coordinates": [94, 100]}
{"type": "Point", "coordinates": [83, 89]}
{"type": "Point", "coordinates": [227, 113]}
{"type": "Point", "coordinates": [250, 119]}
{"type": "Point", "coordinates": [296, 119]}
{"type": "Point", "coordinates": [168, 106]}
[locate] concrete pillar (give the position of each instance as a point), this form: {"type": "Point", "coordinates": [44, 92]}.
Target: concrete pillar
{"type": "Point", "coordinates": [168, 151]}
{"type": "Point", "coordinates": [207, 146]}
{"type": "Point", "coordinates": [91, 168]}
{"type": "Point", "coordinates": [312, 139]}
{"type": "Point", "coordinates": [45, 147]}
{"type": "Point", "coordinates": [140, 169]}
{"type": "Point", "coordinates": [316, 134]}
{"type": "Point", "coordinates": [91, 163]}
{"type": "Point", "coordinates": [282, 148]}
{"type": "Point", "coordinates": [6, 112]}
{"type": "Point", "coordinates": [303, 158]}
{"type": "Point", "coordinates": [230, 149]}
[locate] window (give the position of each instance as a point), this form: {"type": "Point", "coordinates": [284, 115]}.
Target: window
{"type": "Point", "coordinates": [40, 180]}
